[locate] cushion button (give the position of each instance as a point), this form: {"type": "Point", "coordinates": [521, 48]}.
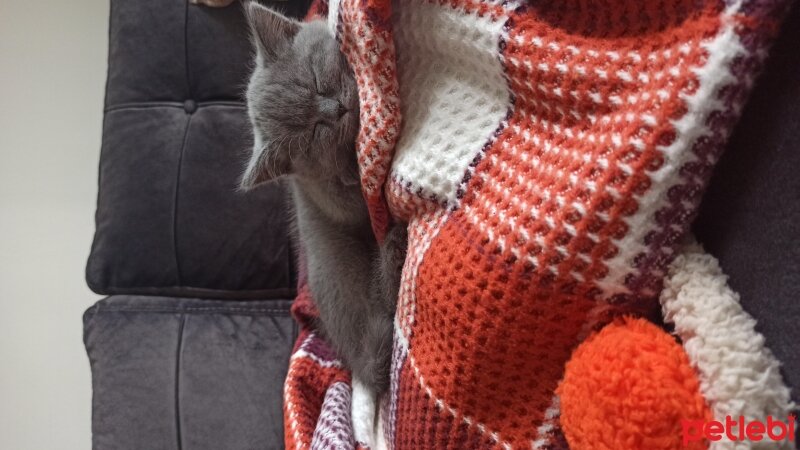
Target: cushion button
{"type": "Point", "coordinates": [189, 106]}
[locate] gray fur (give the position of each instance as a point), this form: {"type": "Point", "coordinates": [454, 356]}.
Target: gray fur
{"type": "Point", "coordinates": [303, 105]}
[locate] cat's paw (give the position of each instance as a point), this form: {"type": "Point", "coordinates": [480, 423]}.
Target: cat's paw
{"type": "Point", "coordinates": [375, 377]}
{"type": "Point", "coordinates": [395, 246]}
{"type": "Point", "coordinates": [372, 366]}
{"type": "Point", "coordinates": [212, 3]}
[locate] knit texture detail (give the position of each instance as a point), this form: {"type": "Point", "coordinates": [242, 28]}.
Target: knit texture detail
{"type": "Point", "coordinates": [739, 375]}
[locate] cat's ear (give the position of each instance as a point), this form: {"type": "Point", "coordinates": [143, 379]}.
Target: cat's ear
{"type": "Point", "coordinates": [270, 30]}
{"type": "Point", "coordinates": [264, 165]}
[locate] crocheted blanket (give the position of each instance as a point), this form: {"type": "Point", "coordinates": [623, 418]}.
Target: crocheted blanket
{"type": "Point", "coordinates": [548, 157]}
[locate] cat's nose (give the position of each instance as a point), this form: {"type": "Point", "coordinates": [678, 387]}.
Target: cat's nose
{"type": "Point", "coordinates": [330, 109]}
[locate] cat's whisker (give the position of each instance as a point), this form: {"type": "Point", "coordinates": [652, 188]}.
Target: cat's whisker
{"type": "Point", "coordinates": [336, 162]}
{"type": "Point", "coordinates": [273, 157]}
{"type": "Point", "coordinates": [291, 153]}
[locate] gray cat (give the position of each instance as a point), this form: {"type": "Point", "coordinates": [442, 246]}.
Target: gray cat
{"type": "Point", "coordinates": [303, 105]}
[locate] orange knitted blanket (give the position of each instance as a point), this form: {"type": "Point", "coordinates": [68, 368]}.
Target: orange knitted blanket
{"type": "Point", "coordinates": [548, 156]}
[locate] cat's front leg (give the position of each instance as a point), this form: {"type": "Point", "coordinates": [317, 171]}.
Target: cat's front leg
{"type": "Point", "coordinates": [392, 257]}
{"type": "Point", "coordinates": [373, 364]}
{"type": "Point", "coordinates": [374, 361]}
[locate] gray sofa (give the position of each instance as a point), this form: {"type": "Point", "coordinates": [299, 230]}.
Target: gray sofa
{"type": "Point", "coordinates": [190, 348]}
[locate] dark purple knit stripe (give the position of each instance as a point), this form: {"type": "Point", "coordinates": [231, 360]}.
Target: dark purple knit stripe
{"type": "Point", "coordinates": [321, 349]}
{"type": "Point", "coordinates": [674, 219]}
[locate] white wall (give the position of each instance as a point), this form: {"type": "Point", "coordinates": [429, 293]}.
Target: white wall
{"type": "Point", "coordinates": [52, 76]}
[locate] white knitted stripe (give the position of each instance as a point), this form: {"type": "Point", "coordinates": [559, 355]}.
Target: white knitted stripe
{"type": "Point", "coordinates": [302, 352]}
{"type": "Point", "coordinates": [443, 406]}
{"type": "Point", "coordinates": [288, 398]}
{"type": "Point", "coordinates": [422, 230]}
{"type": "Point", "coordinates": [322, 363]}
{"type": "Point", "coordinates": [380, 436]}
{"type": "Point", "coordinates": [544, 433]}
{"type": "Point", "coordinates": [291, 407]}
{"type": "Point", "coordinates": [388, 408]}
{"type": "Point", "coordinates": [333, 15]}
{"type": "Point", "coordinates": [363, 414]}
{"type": "Point", "coordinates": [453, 93]}
{"type": "Point", "coordinates": [739, 376]}
{"type": "Point", "coordinates": [722, 50]}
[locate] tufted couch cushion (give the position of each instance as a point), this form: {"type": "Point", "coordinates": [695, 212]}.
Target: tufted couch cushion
{"type": "Point", "coordinates": [179, 360]}
{"type": "Point", "coordinates": [169, 218]}
{"type": "Point", "coordinates": [186, 374]}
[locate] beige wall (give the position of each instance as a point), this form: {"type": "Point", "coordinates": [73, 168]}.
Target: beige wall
{"type": "Point", "coordinates": [52, 76]}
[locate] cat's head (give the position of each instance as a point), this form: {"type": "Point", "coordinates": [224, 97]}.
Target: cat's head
{"type": "Point", "coordinates": [302, 102]}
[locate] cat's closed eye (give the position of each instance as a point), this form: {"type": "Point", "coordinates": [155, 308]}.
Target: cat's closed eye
{"type": "Point", "coordinates": [317, 128]}
{"type": "Point", "coordinates": [323, 89]}
{"type": "Point", "coordinates": [315, 82]}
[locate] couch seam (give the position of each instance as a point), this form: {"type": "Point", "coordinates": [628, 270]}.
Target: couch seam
{"type": "Point", "coordinates": [173, 104]}
{"type": "Point", "coordinates": [177, 382]}
{"type": "Point", "coordinates": [241, 311]}
{"type": "Point", "coordinates": [175, 202]}
{"type": "Point", "coordinates": [144, 105]}
{"type": "Point", "coordinates": [222, 103]}
{"type": "Point", "coordinates": [200, 293]}
{"type": "Point", "coordinates": [186, 49]}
